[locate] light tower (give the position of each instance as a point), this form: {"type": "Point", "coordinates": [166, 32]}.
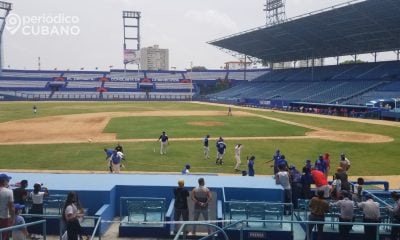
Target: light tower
{"type": "Point", "coordinates": [131, 21]}
{"type": "Point", "coordinates": [5, 8]}
{"type": "Point", "coordinates": [275, 12]}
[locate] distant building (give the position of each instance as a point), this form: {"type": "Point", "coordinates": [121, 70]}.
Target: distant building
{"type": "Point", "coordinates": [154, 58]}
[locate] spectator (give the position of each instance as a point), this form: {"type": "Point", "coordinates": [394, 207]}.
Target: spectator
{"type": "Point", "coordinates": [71, 214]}
{"type": "Point", "coordinates": [318, 208]}
{"type": "Point", "coordinates": [335, 188]}
{"type": "Point", "coordinates": [201, 197]}
{"type": "Point", "coordinates": [283, 178]}
{"type": "Point", "coordinates": [37, 197]}
{"type": "Point", "coordinates": [306, 181]}
{"type": "Point", "coordinates": [295, 184]}
{"type": "Point", "coordinates": [20, 194]}
{"type": "Point", "coordinates": [358, 189]}
{"type": "Point", "coordinates": [181, 204]}
{"type": "Point", "coordinates": [7, 212]}
{"type": "Point", "coordinates": [320, 182]}
{"type": "Point", "coordinates": [371, 215]}
{"type": "Point", "coordinates": [395, 213]}
{"type": "Point", "coordinates": [346, 214]}
{"type": "Point", "coordinates": [21, 233]}
{"type": "Point", "coordinates": [342, 175]}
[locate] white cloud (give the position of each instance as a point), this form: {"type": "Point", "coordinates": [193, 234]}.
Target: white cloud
{"type": "Point", "coordinates": [213, 18]}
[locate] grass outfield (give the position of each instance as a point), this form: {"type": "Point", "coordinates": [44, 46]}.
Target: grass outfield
{"type": "Point", "coordinates": [366, 158]}
{"type": "Point", "coordinates": [199, 126]}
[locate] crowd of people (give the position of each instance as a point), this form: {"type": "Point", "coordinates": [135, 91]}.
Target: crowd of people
{"type": "Point", "coordinates": [14, 202]}
{"type": "Point", "coordinates": [337, 193]}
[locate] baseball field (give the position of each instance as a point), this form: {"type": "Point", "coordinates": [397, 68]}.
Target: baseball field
{"type": "Point", "coordinates": [71, 136]}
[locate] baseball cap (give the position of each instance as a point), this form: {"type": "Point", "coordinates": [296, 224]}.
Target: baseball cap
{"type": "Point", "coordinates": [18, 206]}
{"type": "Point", "coordinates": [4, 176]}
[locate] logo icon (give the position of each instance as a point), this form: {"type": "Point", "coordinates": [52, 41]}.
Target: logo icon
{"type": "Point", "coordinates": [13, 23]}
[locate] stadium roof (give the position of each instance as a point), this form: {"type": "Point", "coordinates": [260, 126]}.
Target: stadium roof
{"type": "Point", "coordinates": [353, 28]}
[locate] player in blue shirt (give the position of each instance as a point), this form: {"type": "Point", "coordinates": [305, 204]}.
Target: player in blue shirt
{"type": "Point", "coordinates": [221, 146]}
{"type": "Point", "coordinates": [250, 165]}
{"type": "Point", "coordinates": [206, 147]}
{"type": "Point", "coordinates": [109, 153]}
{"type": "Point", "coordinates": [320, 164]}
{"type": "Point", "coordinates": [276, 159]}
{"type": "Point", "coordinates": [164, 142]}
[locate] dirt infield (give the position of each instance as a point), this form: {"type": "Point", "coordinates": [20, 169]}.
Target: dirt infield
{"type": "Point", "coordinates": [79, 128]}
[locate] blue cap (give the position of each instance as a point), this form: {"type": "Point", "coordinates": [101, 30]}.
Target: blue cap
{"type": "Point", "coordinates": [4, 176]}
{"type": "Point", "coordinates": [18, 206]}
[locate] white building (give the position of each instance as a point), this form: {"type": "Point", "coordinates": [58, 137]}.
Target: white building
{"type": "Point", "coordinates": [154, 58]}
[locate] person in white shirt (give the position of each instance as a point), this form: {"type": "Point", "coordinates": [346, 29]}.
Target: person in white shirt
{"type": "Point", "coordinates": [37, 196]}
{"type": "Point", "coordinates": [371, 215]}
{"type": "Point", "coordinates": [282, 177]}
{"type": "Point", "coordinates": [346, 214]}
{"type": "Point", "coordinates": [71, 213]}
{"type": "Point", "coordinates": [238, 150]}
{"type": "Point", "coordinates": [7, 213]}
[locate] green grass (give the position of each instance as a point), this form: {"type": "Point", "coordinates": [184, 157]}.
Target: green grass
{"type": "Point", "coordinates": [183, 127]}
{"type": "Point", "coordinates": [367, 159]}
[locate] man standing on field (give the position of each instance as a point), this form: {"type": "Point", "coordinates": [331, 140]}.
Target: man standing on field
{"type": "Point", "coordinates": [221, 146]}
{"type": "Point", "coordinates": [164, 142]}
{"type": "Point", "coordinates": [206, 147]}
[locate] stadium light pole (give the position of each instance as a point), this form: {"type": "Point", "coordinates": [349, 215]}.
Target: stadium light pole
{"type": "Point", "coordinates": [191, 81]}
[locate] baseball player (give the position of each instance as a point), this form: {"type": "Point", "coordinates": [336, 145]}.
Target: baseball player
{"type": "Point", "coordinates": [109, 153]}
{"type": "Point", "coordinates": [206, 147]}
{"type": "Point", "coordinates": [164, 142]}
{"type": "Point", "coordinates": [221, 146]}
{"type": "Point", "coordinates": [238, 150]}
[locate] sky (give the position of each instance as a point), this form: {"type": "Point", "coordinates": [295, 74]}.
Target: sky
{"type": "Point", "coordinates": [74, 34]}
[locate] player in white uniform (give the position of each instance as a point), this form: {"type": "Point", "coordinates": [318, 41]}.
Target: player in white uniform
{"type": "Point", "coordinates": [238, 150]}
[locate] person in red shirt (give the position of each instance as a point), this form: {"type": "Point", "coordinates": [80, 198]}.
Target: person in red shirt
{"type": "Point", "coordinates": [320, 182]}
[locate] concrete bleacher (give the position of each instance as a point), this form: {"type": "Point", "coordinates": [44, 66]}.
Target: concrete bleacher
{"type": "Point", "coordinates": [121, 85]}
{"type": "Point", "coordinates": [347, 83]}
{"type": "Point", "coordinates": [83, 84]}
{"type": "Point", "coordinates": [124, 95]}
{"type": "Point", "coordinates": [82, 76]}
{"type": "Point", "coordinates": [74, 95]}
{"type": "Point", "coordinates": [173, 86]}
{"type": "Point", "coordinates": [120, 75]}
{"type": "Point", "coordinates": [22, 84]}
{"type": "Point", "coordinates": [166, 76]}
